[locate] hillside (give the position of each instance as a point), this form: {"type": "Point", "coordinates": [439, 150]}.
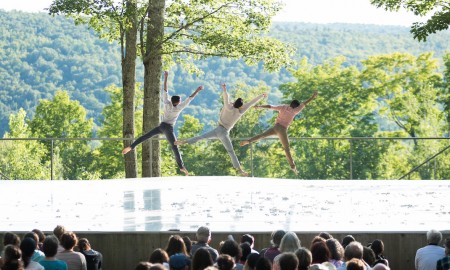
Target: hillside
{"type": "Point", "coordinates": [40, 54]}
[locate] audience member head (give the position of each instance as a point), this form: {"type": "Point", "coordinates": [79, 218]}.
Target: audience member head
{"type": "Point", "coordinates": [447, 246]}
{"type": "Point", "coordinates": [246, 250]}
{"type": "Point", "coordinates": [290, 242]}
{"type": "Point", "coordinates": [377, 246]}
{"type": "Point", "coordinates": [294, 104]}
{"type": "Point", "coordinates": [304, 257]}
{"type": "Point", "coordinates": [276, 237]}
{"type": "Point", "coordinates": [159, 255]}
{"type": "Point", "coordinates": [353, 250]}
{"type": "Point", "coordinates": [325, 235]}
{"type": "Point", "coordinates": [248, 238]}
{"type": "Point", "coordinates": [12, 258]}
{"type": "Point", "coordinates": [369, 256]}
{"type": "Point", "coordinates": [203, 234]}
{"type": "Point", "coordinates": [252, 258]}
{"type": "Point", "coordinates": [225, 262]}
{"type": "Point", "coordinates": [143, 266]}
{"type": "Point", "coordinates": [179, 262]}
{"type": "Point", "coordinates": [176, 245]}
{"type": "Point", "coordinates": [69, 240]}
{"type": "Point", "coordinates": [317, 239]}
{"type": "Point", "coordinates": [318, 266]}
{"type": "Point", "coordinates": [380, 266]}
{"type": "Point", "coordinates": [10, 238]}
{"type": "Point", "coordinates": [232, 248]}
{"type": "Point", "coordinates": [434, 237]}
{"type": "Point", "coordinates": [320, 252]}
{"type": "Point", "coordinates": [355, 264]}
{"type": "Point", "coordinates": [238, 103]}
{"type": "Point", "coordinates": [40, 234]}
{"type": "Point", "coordinates": [83, 244]}
{"type": "Point", "coordinates": [347, 240]}
{"type": "Point", "coordinates": [27, 246]}
{"type": "Point", "coordinates": [263, 264]}
{"type": "Point", "coordinates": [336, 249]}
{"type": "Point", "coordinates": [202, 259]}
{"type": "Point", "coordinates": [33, 236]}
{"type": "Point", "coordinates": [50, 246]}
{"type": "Point", "coordinates": [187, 243]}
{"type": "Point", "coordinates": [288, 261]}
{"type": "Point", "coordinates": [58, 231]}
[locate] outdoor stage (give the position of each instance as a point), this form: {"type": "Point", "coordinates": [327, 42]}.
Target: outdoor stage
{"type": "Point", "coordinates": [225, 204]}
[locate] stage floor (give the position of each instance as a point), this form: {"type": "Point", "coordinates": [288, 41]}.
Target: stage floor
{"type": "Point", "coordinates": [225, 204]}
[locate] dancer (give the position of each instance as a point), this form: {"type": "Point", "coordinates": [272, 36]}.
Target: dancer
{"type": "Point", "coordinates": [286, 114]}
{"type": "Point", "coordinates": [230, 114]}
{"type": "Point", "coordinates": [172, 109]}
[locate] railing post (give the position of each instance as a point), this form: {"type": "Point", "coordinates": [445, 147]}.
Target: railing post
{"type": "Point", "coordinates": [351, 159]}
{"type": "Point", "coordinates": [151, 157]}
{"type": "Point", "coordinates": [251, 158]}
{"type": "Point", "coordinates": [51, 162]}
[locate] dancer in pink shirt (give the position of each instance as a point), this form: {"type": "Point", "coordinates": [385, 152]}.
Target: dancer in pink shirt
{"type": "Point", "coordinates": [286, 114]}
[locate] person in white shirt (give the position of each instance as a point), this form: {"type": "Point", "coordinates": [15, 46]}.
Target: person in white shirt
{"type": "Point", "coordinates": [230, 114]}
{"type": "Point", "coordinates": [427, 257]}
{"type": "Point", "coordinates": [172, 109]}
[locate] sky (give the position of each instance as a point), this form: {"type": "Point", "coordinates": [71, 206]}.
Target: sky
{"type": "Point", "coordinates": [312, 11]}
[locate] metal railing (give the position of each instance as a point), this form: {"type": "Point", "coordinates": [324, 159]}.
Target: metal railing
{"type": "Point", "coordinates": [317, 158]}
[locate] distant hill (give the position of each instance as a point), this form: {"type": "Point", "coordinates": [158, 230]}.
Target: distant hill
{"type": "Point", "coordinates": [40, 54]}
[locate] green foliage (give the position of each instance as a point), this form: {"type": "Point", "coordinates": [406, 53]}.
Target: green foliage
{"type": "Point", "coordinates": [440, 19]}
{"type": "Point", "coordinates": [23, 159]}
{"type": "Point", "coordinates": [108, 156]}
{"type": "Point", "coordinates": [63, 118]}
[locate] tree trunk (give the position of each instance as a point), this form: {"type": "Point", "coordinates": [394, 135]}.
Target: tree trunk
{"type": "Point", "coordinates": [128, 84]}
{"type": "Point", "coordinates": [152, 85]}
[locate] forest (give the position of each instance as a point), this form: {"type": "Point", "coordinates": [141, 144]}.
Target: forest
{"type": "Point", "coordinates": [374, 82]}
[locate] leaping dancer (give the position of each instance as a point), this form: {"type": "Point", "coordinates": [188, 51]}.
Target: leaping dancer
{"type": "Point", "coordinates": [172, 109]}
{"type": "Point", "coordinates": [286, 114]}
{"type": "Point", "coordinates": [230, 114]}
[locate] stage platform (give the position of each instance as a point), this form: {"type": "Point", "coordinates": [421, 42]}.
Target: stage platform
{"type": "Point", "coordinates": [225, 204]}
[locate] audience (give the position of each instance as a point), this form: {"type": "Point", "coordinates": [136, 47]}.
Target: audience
{"type": "Point", "coordinates": [28, 247]}
{"type": "Point", "coordinates": [347, 240]}
{"type": "Point", "coordinates": [179, 261]}
{"type": "Point", "coordinates": [75, 260]}
{"type": "Point", "coordinates": [12, 258]}
{"type": "Point", "coordinates": [225, 262]}
{"type": "Point", "coordinates": [336, 252]}
{"type": "Point", "coordinates": [356, 264]}
{"type": "Point", "coordinates": [203, 239]}
{"type": "Point", "coordinates": [354, 250]}
{"type": "Point", "coordinates": [250, 264]}
{"type": "Point", "coordinates": [94, 259]}
{"type": "Point", "coordinates": [378, 248]}
{"type": "Point", "coordinates": [38, 255]}
{"type": "Point", "coordinates": [176, 245]}
{"type": "Point", "coordinates": [58, 231]}
{"type": "Point", "coordinates": [320, 252]}
{"type": "Point", "coordinates": [444, 263]}
{"type": "Point", "coordinates": [231, 248]}
{"type": "Point", "coordinates": [272, 251]}
{"type": "Point", "coordinates": [263, 264]}
{"type": "Point", "coordinates": [202, 259]}
{"type": "Point", "coordinates": [289, 243]}
{"type": "Point", "coordinates": [41, 237]}
{"type": "Point", "coordinates": [427, 257]}
{"type": "Point", "coordinates": [248, 238]}
{"type": "Point", "coordinates": [304, 257]}
{"type": "Point", "coordinates": [50, 248]}
{"type": "Point", "coordinates": [160, 256]}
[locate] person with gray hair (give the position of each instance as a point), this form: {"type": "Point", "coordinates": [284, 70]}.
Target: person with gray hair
{"type": "Point", "coordinates": [444, 263]}
{"type": "Point", "coordinates": [427, 256]}
{"type": "Point", "coordinates": [354, 250]}
{"type": "Point", "coordinates": [203, 239]}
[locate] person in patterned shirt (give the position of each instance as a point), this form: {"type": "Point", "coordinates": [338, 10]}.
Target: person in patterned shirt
{"type": "Point", "coordinates": [444, 263]}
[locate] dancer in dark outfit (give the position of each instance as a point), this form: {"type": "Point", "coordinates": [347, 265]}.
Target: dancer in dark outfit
{"type": "Point", "coordinates": [172, 109]}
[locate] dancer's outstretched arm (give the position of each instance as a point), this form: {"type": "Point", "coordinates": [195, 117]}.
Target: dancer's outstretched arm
{"type": "Point", "coordinates": [200, 88]}
{"type": "Point", "coordinates": [166, 94]}
{"type": "Point", "coordinates": [225, 94]}
{"type": "Point", "coordinates": [263, 106]}
{"type": "Point", "coordinates": [311, 98]}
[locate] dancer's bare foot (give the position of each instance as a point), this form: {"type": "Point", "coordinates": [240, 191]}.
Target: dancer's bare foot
{"type": "Point", "coordinates": [179, 142]}
{"type": "Point", "coordinates": [242, 172]}
{"type": "Point", "coordinates": [294, 169]}
{"type": "Point", "coordinates": [126, 150]}
{"type": "Point", "coordinates": [185, 171]}
{"type": "Point", "coordinates": [245, 142]}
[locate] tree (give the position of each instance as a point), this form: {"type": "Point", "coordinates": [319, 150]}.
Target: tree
{"type": "Point", "coordinates": [114, 22]}
{"type": "Point", "coordinates": [440, 20]}
{"type": "Point", "coordinates": [63, 118]}
{"type": "Point", "coordinates": [23, 159]}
